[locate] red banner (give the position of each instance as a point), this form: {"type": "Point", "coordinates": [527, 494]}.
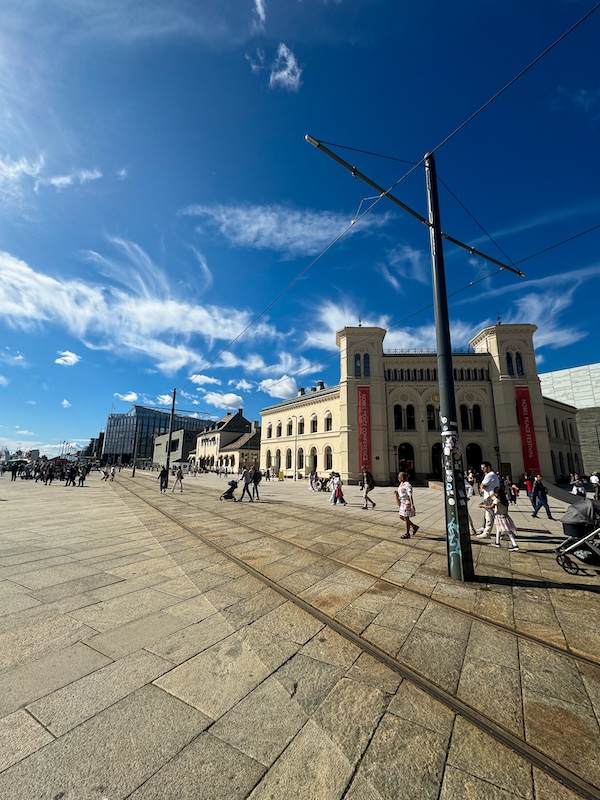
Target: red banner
{"type": "Point", "coordinates": [364, 427]}
{"type": "Point", "coordinates": [531, 460]}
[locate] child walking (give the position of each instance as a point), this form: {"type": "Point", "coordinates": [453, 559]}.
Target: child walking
{"type": "Point", "coordinates": [406, 504]}
{"type": "Point", "coordinates": [504, 523]}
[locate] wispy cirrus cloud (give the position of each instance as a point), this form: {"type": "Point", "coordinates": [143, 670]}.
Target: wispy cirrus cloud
{"type": "Point", "coordinates": [403, 264]}
{"type": "Point", "coordinates": [60, 182]}
{"type": "Point", "coordinates": [585, 100]}
{"type": "Point", "coordinates": [16, 179]}
{"type": "Point", "coordinates": [141, 323]}
{"type": "Point", "coordinates": [289, 231]}
{"type": "Point", "coordinates": [285, 72]}
{"type": "Point", "coordinates": [67, 358]}
{"type": "Point", "coordinates": [203, 380]}
{"type": "Point", "coordinates": [66, 404]}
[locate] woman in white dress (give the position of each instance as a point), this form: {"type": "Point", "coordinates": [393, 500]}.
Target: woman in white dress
{"type": "Point", "coordinates": [406, 504]}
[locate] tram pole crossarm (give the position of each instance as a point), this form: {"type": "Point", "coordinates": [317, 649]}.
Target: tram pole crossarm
{"type": "Point", "coordinates": [460, 557]}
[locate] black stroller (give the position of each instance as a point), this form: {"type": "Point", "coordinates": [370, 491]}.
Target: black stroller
{"type": "Point", "coordinates": [581, 526]}
{"type": "Point", "coordinates": [228, 493]}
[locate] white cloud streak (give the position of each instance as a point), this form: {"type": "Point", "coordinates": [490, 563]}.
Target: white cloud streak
{"type": "Point", "coordinates": [285, 72]}
{"type": "Point", "coordinates": [223, 400]}
{"type": "Point", "coordinates": [67, 358]}
{"type": "Point", "coordinates": [292, 232]}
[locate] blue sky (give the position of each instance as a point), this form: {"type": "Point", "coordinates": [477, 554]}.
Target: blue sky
{"type": "Point", "coordinates": [157, 194]}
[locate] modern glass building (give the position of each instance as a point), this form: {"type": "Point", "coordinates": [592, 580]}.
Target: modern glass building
{"type": "Point", "coordinates": [146, 423]}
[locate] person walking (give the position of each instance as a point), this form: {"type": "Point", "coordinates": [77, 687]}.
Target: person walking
{"type": "Point", "coordinates": [112, 473]}
{"type": "Point", "coordinates": [406, 504]}
{"type": "Point", "coordinates": [488, 485]}
{"type": "Point", "coordinates": [469, 491]}
{"type": "Point", "coordinates": [163, 480]}
{"type": "Point", "coordinates": [247, 478]}
{"type": "Point", "coordinates": [502, 519]}
{"type": "Point", "coordinates": [337, 495]}
{"type": "Point", "coordinates": [178, 480]}
{"type": "Point", "coordinates": [256, 479]}
{"type": "Point", "coordinates": [368, 484]}
{"type": "Point", "coordinates": [539, 497]}
{"type": "Point", "coordinates": [595, 481]}
{"type": "Point", "coordinates": [578, 486]}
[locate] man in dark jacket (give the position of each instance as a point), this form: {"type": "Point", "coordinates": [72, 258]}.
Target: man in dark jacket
{"type": "Point", "coordinates": [539, 497]}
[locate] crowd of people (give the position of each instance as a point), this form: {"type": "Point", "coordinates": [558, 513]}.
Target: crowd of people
{"type": "Point", "coordinates": [46, 472]}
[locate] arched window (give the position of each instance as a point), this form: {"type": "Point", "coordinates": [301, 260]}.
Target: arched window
{"type": "Point", "coordinates": [563, 425]}
{"type": "Point", "coordinates": [278, 430]}
{"type": "Point", "coordinates": [269, 430]}
{"type": "Point", "coordinates": [468, 373]}
{"type": "Point", "coordinates": [313, 424]}
{"type": "Point", "coordinates": [519, 363]}
{"type": "Point", "coordinates": [289, 429]}
{"type": "Point", "coordinates": [561, 461]}
{"type": "Point", "coordinates": [428, 374]}
{"type": "Point", "coordinates": [268, 461]}
{"type": "Point", "coordinates": [548, 428]}
{"type": "Point", "coordinates": [395, 374]}
{"type": "Point", "coordinates": [570, 424]}
{"type": "Point", "coordinates": [288, 459]}
{"type": "Point", "coordinates": [576, 463]}
{"type": "Point", "coordinates": [553, 457]}
{"type": "Point", "coordinates": [301, 426]}
{"type": "Point", "coordinates": [556, 428]}
{"type": "Point", "coordinates": [401, 374]}
{"type": "Point", "coordinates": [389, 374]}
{"type": "Point", "coordinates": [313, 458]}
{"type": "Point", "coordinates": [431, 426]}
{"type": "Point", "coordinates": [421, 374]}
{"type": "Point", "coordinates": [477, 423]}
{"type": "Point", "coordinates": [277, 460]}
{"type": "Point", "coordinates": [398, 418]}
{"type": "Point", "coordinates": [300, 458]}
{"type": "Point", "coordinates": [328, 421]}
{"type": "Point", "coordinates": [366, 365]}
{"type": "Point", "coordinates": [410, 418]}
{"type": "Point", "coordinates": [357, 365]}
{"type": "Point", "coordinates": [328, 455]}
{"type": "Point", "coordinates": [509, 364]}
{"type": "Point", "coordinates": [570, 463]}
{"type": "Point", "coordinates": [462, 374]}
{"type": "Point", "coordinates": [464, 417]}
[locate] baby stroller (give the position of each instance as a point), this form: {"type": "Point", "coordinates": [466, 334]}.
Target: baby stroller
{"type": "Point", "coordinates": [581, 526]}
{"type": "Point", "coordinates": [228, 493]}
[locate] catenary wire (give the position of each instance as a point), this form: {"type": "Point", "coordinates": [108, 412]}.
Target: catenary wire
{"type": "Point", "coordinates": [400, 180]}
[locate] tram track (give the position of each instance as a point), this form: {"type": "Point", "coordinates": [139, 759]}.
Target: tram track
{"type": "Point", "coordinates": [534, 755]}
{"type": "Point", "coordinates": [496, 624]}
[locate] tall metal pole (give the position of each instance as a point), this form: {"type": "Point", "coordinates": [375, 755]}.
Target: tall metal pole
{"type": "Point", "coordinates": [170, 435]}
{"type": "Point", "coordinates": [458, 542]}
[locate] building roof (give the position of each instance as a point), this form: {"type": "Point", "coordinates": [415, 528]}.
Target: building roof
{"type": "Point", "coordinates": [247, 441]}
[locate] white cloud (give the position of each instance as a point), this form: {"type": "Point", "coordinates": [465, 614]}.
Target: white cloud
{"type": "Point", "coordinates": [257, 63]}
{"type": "Point", "coordinates": [202, 380]}
{"type": "Point", "coordinates": [261, 14]}
{"type": "Point", "coordinates": [15, 176]}
{"type": "Point", "coordinates": [220, 400]}
{"type": "Point", "coordinates": [67, 358]}
{"type": "Point", "coordinates": [243, 385]}
{"type": "Point", "coordinates": [284, 387]}
{"type": "Point", "coordinates": [405, 264]}
{"type": "Point", "coordinates": [61, 182]}
{"type": "Point", "coordinates": [292, 232]}
{"type": "Point", "coordinates": [4, 381]}
{"type": "Point", "coordinates": [146, 320]}
{"type": "Point", "coordinates": [130, 397]}
{"type": "Point", "coordinates": [165, 400]}
{"type": "Point", "coordinates": [31, 402]}
{"type": "Point", "coordinates": [66, 404]}
{"type": "Point", "coordinates": [285, 72]}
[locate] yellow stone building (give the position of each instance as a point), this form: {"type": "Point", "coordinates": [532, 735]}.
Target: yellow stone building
{"type": "Point", "coordinates": [385, 412]}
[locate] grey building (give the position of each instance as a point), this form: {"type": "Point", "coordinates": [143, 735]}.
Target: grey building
{"type": "Point", "coordinates": [145, 424]}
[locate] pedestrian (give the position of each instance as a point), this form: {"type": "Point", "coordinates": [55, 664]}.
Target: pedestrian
{"type": "Point", "coordinates": [528, 483]}
{"type": "Point", "coordinates": [488, 485]}
{"type": "Point", "coordinates": [256, 479]}
{"type": "Point", "coordinates": [311, 481]}
{"type": "Point", "coordinates": [539, 497]}
{"type": "Point", "coordinates": [337, 495]}
{"type": "Point", "coordinates": [503, 521]}
{"type": "Point", "coordinates": [406, 504]}
{"type": "Point", "coordinates": [163, 480]}
{"type": "Point", "coordinates": [178, 480]}
{"type": "Point", "coordinates": [368, 484]}
{"type": "Point", "coordinates": [247, 477]}
{"type": "Point", "coordinates": [595, 481]}
{"type": "Point", "coordinates": [514, 493]}
{"type": "Point", "coordinates": [82, 474]}
{"type": "Point", "coordinates": [578, 486]}
{"type": "Point", "coordinates": [469, 491]}
{"type": "Point", "coordinates": [112, 473]}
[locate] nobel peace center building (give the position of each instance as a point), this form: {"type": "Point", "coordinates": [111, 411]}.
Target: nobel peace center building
{"type": "Point", "coordinates": [384, 413]}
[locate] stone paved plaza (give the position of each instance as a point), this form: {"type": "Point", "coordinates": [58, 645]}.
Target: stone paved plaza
{"type": "Point", "coordinates": [138, 661]}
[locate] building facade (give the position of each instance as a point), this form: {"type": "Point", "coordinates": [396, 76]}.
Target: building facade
{"type": "Point", "coordinates": [579, 386]}
{"type": "Point", "coordinates": [385, 411]}
{"type": "Point", "coordinates": [182, 444]}
{"type": "Point", "coordinates": [229, 443]}
{"type": "Point", "coordinates": [141, 424]}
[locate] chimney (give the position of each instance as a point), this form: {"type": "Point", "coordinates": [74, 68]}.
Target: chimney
{"type": "Point", "coordinates": [301, 391]}
{"type": "Point", "coordinates": [313, 388]}
{"type": "Point", "coordinates": [240, 411]}
{"type": "Point", "coordinates": [320, 385]}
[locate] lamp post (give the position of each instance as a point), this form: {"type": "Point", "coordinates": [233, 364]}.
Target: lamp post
{"type": "Point", "coordinates": [295, 418]}
{"type": "Point", "coordinates": [497, 451]}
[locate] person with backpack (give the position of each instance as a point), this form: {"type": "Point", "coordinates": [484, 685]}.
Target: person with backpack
{"type": "Point", "coordinates": [368, 484]}
{"type": "Point", "coordinates": [256, 479]}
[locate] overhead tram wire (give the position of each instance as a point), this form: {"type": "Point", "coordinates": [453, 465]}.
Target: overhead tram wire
{"type": "Point", "coordinates": [464, 288]}
{"type": "Point", "coordinates": [400, 180]}
{"type": "Point", "coordinates": [516, 78]}
{"type": "Point", "coordinates": [333, 242]}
